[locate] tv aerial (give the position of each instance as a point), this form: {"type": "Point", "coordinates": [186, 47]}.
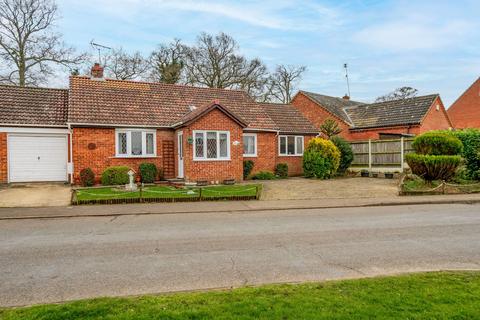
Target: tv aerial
{"type": "Point", "coordinates": [99, 48]}
{"type": "Point", "coordinates": [345, 66]}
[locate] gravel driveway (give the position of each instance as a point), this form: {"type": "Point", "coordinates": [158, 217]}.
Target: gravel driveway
{"type": "Point", "coordinates": [301, 188]}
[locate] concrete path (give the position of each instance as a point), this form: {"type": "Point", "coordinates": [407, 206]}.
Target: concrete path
{"type": "Point", "coordinates": [35, 195]}
{"type": "Point", "coordinates": [49, 260]}
{"type": "Point", "coordinates": [227, 206]}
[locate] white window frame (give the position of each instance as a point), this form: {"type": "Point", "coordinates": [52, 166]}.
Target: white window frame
{"type": "Point", "coordinates": [254, 135]}
{"type": "Point", "coordinates": [204, 133]}
{"type": "Point", "coordinates": [129, 143]}
{"type": "Point", "coordinates": [286, 146]}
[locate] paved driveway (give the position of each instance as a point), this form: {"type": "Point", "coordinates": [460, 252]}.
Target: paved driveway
{"type": "Point", "coordinates": [49, 260]}
{"type": "Point", "coordinates": [346, 188]}
{"type": "Point", "coordinates": [35, 195]}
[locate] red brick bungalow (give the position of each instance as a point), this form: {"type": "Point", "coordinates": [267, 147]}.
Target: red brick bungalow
{"type": "Point", "coordinates": [189, 132]}
{"type": "Point", "coordinates": [465, 111]}
{"type": "Point", "coordinates": [360, 121]}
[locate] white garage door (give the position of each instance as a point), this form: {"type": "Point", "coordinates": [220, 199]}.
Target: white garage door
{"type": "Point", "coordinates": [37, 158]}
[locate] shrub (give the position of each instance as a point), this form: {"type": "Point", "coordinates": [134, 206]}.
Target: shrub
{"type": "Point", "coordinates": [87, 177]}
{"type": "Point", "coordinates": [247, 168]}
{"type": "Point", "coordinates": [115, 176]}
{"type": "Point", "coordinates": [437, 143]}
{"type": "Point", "coordinates": [281, 170]}
{"type": "Point", "coordinates": [433, 167]}
{"type": "Point", "coordinates": [471, 151]}
{"type": "Point", "coordinates": [148, 172]}
{"type": "Point", "coordinates": [320, 159]}
{"type": "Point", "coordinates": [264, 175]}
{"type": "Point", "coordinates": [346, 154]}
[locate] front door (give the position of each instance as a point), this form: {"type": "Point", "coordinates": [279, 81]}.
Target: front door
{"type": "Point", "coordinates": [180, 154]}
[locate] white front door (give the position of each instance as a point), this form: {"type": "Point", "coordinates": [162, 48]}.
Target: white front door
{"type": "Point", "coordinates": [37, 158]}
{"type": "Point", "coordinates": [180, 154]}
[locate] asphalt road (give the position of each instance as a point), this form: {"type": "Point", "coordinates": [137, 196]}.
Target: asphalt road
{"type": "Point", "coordinates": [54, 260]}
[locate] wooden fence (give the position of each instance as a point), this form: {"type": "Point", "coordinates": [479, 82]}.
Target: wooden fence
{"type": "Point", "coordinates": [373, 154]}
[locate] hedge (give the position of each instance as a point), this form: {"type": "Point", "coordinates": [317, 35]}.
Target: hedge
{"type": "Point", "coordinates": [346, 154]}
{"type": "Point", "coordinates": [433, 167]}
{"type": "Point", "coordinates": [437, 143]}
{"type": "Point", "coordinates": [117, 175]}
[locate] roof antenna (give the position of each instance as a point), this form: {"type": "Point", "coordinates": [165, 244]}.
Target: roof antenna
{"type": "Point", "coordinates": [346, 77]}
{"type": "Point", "coordinates": [99, 47]}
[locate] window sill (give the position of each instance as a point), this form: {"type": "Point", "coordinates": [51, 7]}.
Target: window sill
{"type": "Point", "coordinates": [249, 155]}
{"type": "Point", "coordinates": [290, 155]}
{"type": "Point", "coordinates": [134, 157]}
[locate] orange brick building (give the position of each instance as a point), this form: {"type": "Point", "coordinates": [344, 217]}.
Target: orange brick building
{"type": "Point", "coordinates": [197, 134]}
{"type": "Point", "coordinates": [361, 121]}
{"type": "Point", "coordinates": [465, 111]}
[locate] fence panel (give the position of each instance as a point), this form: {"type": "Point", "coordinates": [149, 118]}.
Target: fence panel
{"type": "Point", "coordinates": [380, 153]}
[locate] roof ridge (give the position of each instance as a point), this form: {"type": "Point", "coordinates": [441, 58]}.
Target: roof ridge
{"type": "Point", "coordinates": [165, 84]}
{"type": "Point", "coordinates": [400, 99]}
{"type": "Point", "coordinates": [32, 87]}
{"type": "Point", "coordinates": [465, 91]}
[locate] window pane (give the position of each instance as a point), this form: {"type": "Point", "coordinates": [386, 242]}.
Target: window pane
{"type": "Point", "coordinates": [283, 145]}
{"type": "Point", "coordinates": [211, 145]}
{"type": "Point", "coordinates": [150, 143]}
{"type": "Point", "coordinates": [249, 145]}
{"type": "Point", "coordinates": [136, 143]}
{"type": "Point", "coordinates": [300, 145]}
{"type": "Point", "coordinates": [199, 145]}
{"type": "Point", "coordinates": [223, 145]}
{"type": "Point", "coordinates": [291, 145]}
{"type": "Point", "coordinates": [122, 143]}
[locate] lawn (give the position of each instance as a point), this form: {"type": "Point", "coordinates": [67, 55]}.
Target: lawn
{"type": "Point", "coordinates": [438, 295]}
{"type": "Point", "coordinates": [108, 193]}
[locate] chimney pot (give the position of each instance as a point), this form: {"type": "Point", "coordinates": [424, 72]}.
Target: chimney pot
{"type": "Point", "coordinates": [346, 97]}
{"type": "Point", "coordinates": [96, 72]}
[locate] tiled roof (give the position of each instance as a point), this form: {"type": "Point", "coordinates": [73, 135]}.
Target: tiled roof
{"type": "Point", "coordinates": [116, 102]}
{"type": "Point", "coordinates": [33, 106]}
{"type": "Point", "coordinates": [333, 105]}
{"type": "Point", "coordinates": [288, 119]}
{"type": "Point", "coordinates": [198, 112]}
{"type": "Point", "coordinates": [391, 113]}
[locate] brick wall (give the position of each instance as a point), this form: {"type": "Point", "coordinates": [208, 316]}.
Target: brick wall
{"type": "Point", "coordinates": [267, 155]}
{"type": "Point", "coordinates": [465, 112]}
{"type": "Point", "coordinates": [3, 158]}
{"type": "Point", "coordinates": [214, 170]}
{"type": "Point", "coordinates": [316, 114]}
{"type": "Point", "coordinates": [103, 155]}
{"type": "Point", "coordinates": [436, 119]}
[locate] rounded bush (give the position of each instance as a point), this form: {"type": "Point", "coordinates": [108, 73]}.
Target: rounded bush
{"type": "Point", "coordinates": [471, 151]}
{"type": "Point", "coordinates": [247, 168]}
{"type": "Point", "coordinates": [437, 143]}
{"type": "Point", "coordinates": [148, 172]}
{"type": "Point", "coordinates": [87, 177]}
{"type": "Point", "coordinates": [346, 154]}
{"type": "Point", "coordinates": [433, 167]}
{"type": "Point", "coordinates": [264, 175]}
{"type": "Point", "coordinates": [321, 159]}
{"type": "Point", "coordinates": [115, 176]}
{"type": "Point", "coordinates": [281, 170]}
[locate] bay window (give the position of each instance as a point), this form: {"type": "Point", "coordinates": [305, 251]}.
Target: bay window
{"type": "Point", "coordinates": [249, 145]}
{"type": "Point", "coordinates": [135, 143]}
{"type": "Point", "coordinates": [290, 145]}
{"type": "Point", "coordinates": [211, 145]}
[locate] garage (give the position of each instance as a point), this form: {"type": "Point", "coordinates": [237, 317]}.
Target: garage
{"type": "Point", "coordinates": [37, 157]}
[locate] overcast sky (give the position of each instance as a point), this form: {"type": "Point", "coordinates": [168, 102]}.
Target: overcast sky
{"type": "Point", "coordinates": [433, 46]}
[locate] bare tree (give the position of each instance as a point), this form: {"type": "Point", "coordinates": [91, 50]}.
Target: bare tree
{"type": "Point", "coordinates": [398, 94]}
{"type": "Point", "coordinates": [283, 82]}
{"type": "Point", "coordinates": [215, 62]}
{"type": "Point", "coordinates": [123, 66]}
{"type": "Point", "coordinates": [29, 46]}
{"type": "Point", "coordinates": [167, 63]}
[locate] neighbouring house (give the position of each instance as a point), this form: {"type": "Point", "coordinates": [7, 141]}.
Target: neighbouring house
{"type": "Point", "coordinates": [361, 121]}
{"type": "Point", "coordinates": [465, 111]}
{"type": "Point", "coordinates": [189, 132]}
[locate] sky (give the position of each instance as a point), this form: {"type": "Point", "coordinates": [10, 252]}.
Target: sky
{"type": "Point", "coordinates": [433, 46]}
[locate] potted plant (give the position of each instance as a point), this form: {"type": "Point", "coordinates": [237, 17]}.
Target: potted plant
{"type": "Point", "coordinates": [375, 174]}
{"type": "Point", "coordinates": [388, 175]}
{"type": "Point", "coordinates": [365, 173]}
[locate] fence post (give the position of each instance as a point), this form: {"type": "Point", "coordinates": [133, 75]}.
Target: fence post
{"type": "Point", "coordinates": [402, 154]}
{"type": "Point", "coordinates": [369, 154]}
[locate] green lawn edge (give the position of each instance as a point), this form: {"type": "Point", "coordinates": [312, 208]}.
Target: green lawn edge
{"type": "Point", "coordinates": [432, 295]}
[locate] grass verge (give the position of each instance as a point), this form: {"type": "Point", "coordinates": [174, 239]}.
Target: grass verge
{"type": "Point", "coordinates": [436, 295]}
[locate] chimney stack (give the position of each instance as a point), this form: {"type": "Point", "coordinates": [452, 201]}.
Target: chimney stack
{"type": "Point", "coordinates": [96, 73]}
{"type": "Point", "coordinates": [346, 97]}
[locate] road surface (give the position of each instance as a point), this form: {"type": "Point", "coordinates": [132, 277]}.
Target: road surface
{"type": "Point", "coordinates": [51, 260]}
